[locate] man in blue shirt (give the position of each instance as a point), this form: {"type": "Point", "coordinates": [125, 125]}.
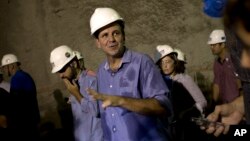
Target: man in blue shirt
{"type": "Point", "coordinates": [24, 115]}
{"type": "Point", "coordinates": [87, 125]}
{"type": "Point", "coordinates": [132, 92]}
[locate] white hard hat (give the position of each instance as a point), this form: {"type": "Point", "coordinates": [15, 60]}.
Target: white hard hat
{"type": "Point", "coordinates": [180, 55]}
{"type": "Point", "coordinates": [60, 56]}
{"type": "Point", "coordinates": [9, 59]}
{"type": "Point", "coordinates": [217, 36]}
{"type": "Point", "coordinates": [78, 54]}
{"type": "Point", "coordinates": [102, 17]}
{"type": "Point", "coordinates": [162, 51]}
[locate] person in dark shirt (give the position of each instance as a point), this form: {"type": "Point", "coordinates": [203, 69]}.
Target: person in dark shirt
{"type": "Point", "coordinates": [24, 114]}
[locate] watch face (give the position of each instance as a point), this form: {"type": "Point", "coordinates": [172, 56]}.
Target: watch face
{"type": "Point", "coordinates": [214, 8]}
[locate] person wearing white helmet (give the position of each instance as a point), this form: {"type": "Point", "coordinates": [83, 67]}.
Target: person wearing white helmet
{"type": "Point", "coordinates": [223, 70]}
{"type": "Point", "coordinates": [181, 57]}
{"type": "Point", "coordinates": [87, 124]}
{"type": "Point", "coordinates": [130, 87]}
{"type": "Point", "coordinates": [24, 116]}
{"type": "Point", "coordinates": [187, 99]}
{"type": "Point", "coordinates": [82, 64]}
{"type": "Point", "coordinates": [80, 58]}
{"type": "Point", "coordinates": [161, 52]}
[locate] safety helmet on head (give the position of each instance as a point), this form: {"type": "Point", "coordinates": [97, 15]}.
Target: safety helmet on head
{"type": "Point", "coordinates": [9, 59]}
{"type": "Point", "coordinates": [102, 17]}
{"type": "Point", "coordinates": [217, 36]}
{"type": "Point", "coordinates": [180, 55]}
{"type": "Point", "coordinates": [162, 51]}
{"type": "Point", "coordinates": [78, 54]}
{"type": "Point", "coordinates": [60, 56]}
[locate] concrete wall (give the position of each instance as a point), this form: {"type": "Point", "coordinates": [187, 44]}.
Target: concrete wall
{"type": "Point", "coordinates": [32, 28]}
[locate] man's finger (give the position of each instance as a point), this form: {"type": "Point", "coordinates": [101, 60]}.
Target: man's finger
{"type": "Point", "coordinates": [210, 129]}
{"type": "Point", "coordinates": [105, 104]}
{"type": "Point", "coordinates": [93, 93]}
{"type": "Point", "coordinates": [227, 127]}
{"type": "Point", "coordinates": [66, 81]}
{"type": "Point", "coordinates": [88, 90]}
{"type": "Point", "coordinates": [218, 131]}
{"type": "Point", "coordinates": [215, 115]}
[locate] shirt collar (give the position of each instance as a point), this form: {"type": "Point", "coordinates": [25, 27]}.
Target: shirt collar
{"type": "Point", "coordinates": [126, 58]}
{"type": "Point", "coordinates": [82, 74]}
{"type": "Point", "coordinates": [227, 58]}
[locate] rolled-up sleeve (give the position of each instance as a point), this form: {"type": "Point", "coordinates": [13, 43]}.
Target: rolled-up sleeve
{"type": "Point", "coordinates": [88, 105]}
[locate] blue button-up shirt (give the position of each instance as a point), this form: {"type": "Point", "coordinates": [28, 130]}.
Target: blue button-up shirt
{"type": "Point", "coordinates": [137, 77]}
{"type": "Point", "coordinates": [87, 127]}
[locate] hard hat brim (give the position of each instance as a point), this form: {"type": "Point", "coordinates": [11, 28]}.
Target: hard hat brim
{"type": "Point", "coordinates": [58, 68]}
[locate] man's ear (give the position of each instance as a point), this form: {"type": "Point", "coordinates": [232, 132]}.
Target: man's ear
{"type": "Point", "coordinates": [97, 43]}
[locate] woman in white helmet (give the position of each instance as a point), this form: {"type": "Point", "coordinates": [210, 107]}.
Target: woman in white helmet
{"type": "Point", "coordinates": [187, 99]}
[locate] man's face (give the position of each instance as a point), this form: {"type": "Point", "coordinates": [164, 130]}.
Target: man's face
{"type": "Point", "coordinates": [216, 48]}
{"type": "Point", "coordinates": [111, 40]}
{"type": "Point", "coordinates": [67, 72]}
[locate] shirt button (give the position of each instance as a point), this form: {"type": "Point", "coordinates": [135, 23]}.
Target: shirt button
{"type": "Point", "coordinates": [236, 74]}
{"type": "Point", "coordinates": [113, 115]}
{"type": "Point", "coordinates": [112, 74]}
{"type": "Point", "coordinates": [114, 129]}
{"type": "Point", "coordinates": [110, 86]}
